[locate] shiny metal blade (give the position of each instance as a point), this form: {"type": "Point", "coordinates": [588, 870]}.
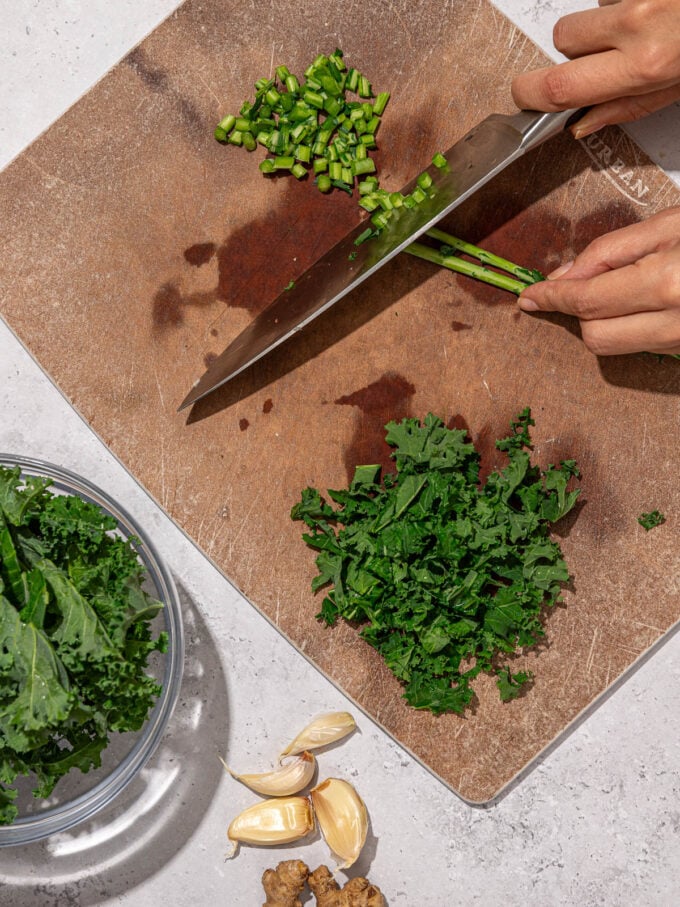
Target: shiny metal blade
{"type": "Point", "coordinates": [486, 150]}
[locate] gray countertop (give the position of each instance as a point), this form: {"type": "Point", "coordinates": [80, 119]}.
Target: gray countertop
{"type": "Point", "coordinates": [595, 822]}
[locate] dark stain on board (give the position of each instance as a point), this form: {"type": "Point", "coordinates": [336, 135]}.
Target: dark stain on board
{"type": "Point", "coordinates": [458, 422]}
{"type": "Point", "coordinates": [158, 80]}
{"type": "Point", "coordinates": [485, 444]}
{"type": "Point", "coordinates": [200, 253]}
{"type": "Point", "coordinates": [168, 308]}
{"type": "Point", "coordinates": [484, 440]}
{"type": "Point", "coordinates": [192, 117]}
{"type": "Point", "coordinates": [243, 424]}
{"type": "Point", "coordinates": [457, 326]}
{"type": "Point", "coordinates": [153, 77]}
{"type": "Point", "coordinates": [267, 406]}
{"type": "Point", "coordinates": [257, 260]}
{"type": "Point", "coordinates": [169, 305]}
{"type": "Point", "coordinates": [378, 403]}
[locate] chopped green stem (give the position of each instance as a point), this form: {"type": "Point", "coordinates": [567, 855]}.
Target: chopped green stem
{"type": "Point", "coordinates": [462, 266]}
{"type": "Point", "coordinates": [311, 123]}
{"type": "Point", "coordinates": [381, 103]}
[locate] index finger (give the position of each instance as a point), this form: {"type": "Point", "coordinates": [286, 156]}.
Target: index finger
{"type": "Point", "coordinates": [587, 80]}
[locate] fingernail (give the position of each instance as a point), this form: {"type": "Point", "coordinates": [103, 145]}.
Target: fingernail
{"type": "Point", "coordinates": [585, 127]}
{"type": "Point", "coordinates": [527, 305]}
{"type": "Point", "coordinates": [561, 271]}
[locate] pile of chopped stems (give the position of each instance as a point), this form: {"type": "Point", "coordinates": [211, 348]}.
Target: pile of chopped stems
{"type": "Point", "coordinates": [312, 126]}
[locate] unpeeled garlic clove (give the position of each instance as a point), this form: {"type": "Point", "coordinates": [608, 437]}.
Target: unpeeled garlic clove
{"type": "Point", "coordinates": [325, 729]}
{"type": "Point", "coordinates": [277, 821]}
{"type": "Point", "coordinates": [289, 779]}
{"type": "Point", "coordinates": [342, 817]}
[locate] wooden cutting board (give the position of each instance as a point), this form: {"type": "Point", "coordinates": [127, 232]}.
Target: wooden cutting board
{"type": "Point", "coordinates": [136, 247]}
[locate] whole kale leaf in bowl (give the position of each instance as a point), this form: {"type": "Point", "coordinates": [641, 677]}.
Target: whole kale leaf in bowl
{"type": "Point", "coordinates": [90, 649]}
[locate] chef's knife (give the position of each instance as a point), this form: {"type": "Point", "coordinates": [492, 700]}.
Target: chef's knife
{"type": "Point", "coordinates": [486, 150]}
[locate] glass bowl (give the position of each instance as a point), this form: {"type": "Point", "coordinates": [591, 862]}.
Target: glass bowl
{"type": "Point", "coordinates": [79, 796]}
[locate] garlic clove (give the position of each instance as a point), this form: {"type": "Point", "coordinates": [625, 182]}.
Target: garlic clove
{"type": "Point", "coordinates": [289, 779]}
{"type": "Point", "coordinates": [342, 818]}
{"type": "Point", "coordinates": [324, 729]}
{"type": "Point", "coordinates": [277, 821]}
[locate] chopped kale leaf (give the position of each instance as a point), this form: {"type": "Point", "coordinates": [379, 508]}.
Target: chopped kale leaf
{"type": "Point", "coordinates": [444, 575]}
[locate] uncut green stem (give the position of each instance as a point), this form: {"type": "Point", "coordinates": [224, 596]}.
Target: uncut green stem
{"type": "Point", "coordinates": [470, 269]}
{"type": "Point", "coordinates": [487, 258]}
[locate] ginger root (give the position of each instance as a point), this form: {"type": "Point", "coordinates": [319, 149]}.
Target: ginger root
{"type": "Point", "coordinates": [358, 892]}
{"type": "Point", "coordinates": [283, 884]}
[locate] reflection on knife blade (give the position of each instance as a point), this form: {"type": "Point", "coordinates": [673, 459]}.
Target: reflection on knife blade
{"type": "Point", "coordinates": [474, 160]}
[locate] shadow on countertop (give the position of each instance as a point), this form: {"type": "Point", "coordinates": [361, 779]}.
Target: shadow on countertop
{"type": "Point", "coordinates": [154, 817]}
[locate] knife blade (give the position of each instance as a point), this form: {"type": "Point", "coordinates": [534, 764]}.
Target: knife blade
{"type": "Point", "coordinates": [475, 159]}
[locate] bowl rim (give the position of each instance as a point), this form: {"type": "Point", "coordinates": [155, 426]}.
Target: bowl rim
{"type": "Point", "coordinates": [62, 817]}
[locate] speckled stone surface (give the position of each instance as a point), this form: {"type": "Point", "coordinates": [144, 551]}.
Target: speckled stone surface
{"type": "Point", "coordinates": [596, 823]}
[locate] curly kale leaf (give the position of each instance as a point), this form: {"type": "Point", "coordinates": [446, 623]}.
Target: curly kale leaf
{"type": "Point", "coordinates": [35, 692]}
{"type": "Point", "coordinates": [75, 636]}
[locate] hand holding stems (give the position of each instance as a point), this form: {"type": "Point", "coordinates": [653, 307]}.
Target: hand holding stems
{"type": "Point", "coordinates": [623, 59]}
{"type": "Point", "coordinates": [624, 288]}
{"type": "Point", "coordinates": [623, 62]}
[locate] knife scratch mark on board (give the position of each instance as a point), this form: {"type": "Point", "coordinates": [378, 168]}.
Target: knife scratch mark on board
{"type": "Point", "coordinates": [199, 533]}
{"type": "Point", "coordinates": [209, 87]}
{"type": "Point", "coordinates": [655, 629]}
{"type": "Point", "coordinates": [160, 463]}
{"type": "Point", "coordinates": [473, 23]}
{"type": "Point", "coordinates": [459, 730]}
{"type": "Point", "coordinates": [536, 162]}
{"type": "Point", "coordinates": [634, 650]}
{"type": "Point", "coordinates": [160, 389]}
{"type": "Point", "coordinates": [244, 523]}
{"type": "Point", "coordinates": [271, 62]}
{"type": "Point", "coordinates": [405, 32]}
{"type": "Point", "coordinates": [579, 181]}
{"type": "Point", "coordinates": [591, 653]}
{"type": "Point", "coordinates": [515, 49]}
{"type": "Point", "coordinates": [215, 532]}
{"type": "Point", "coordinates": [50, 178]}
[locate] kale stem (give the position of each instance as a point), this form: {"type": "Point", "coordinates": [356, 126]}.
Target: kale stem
{"type": "Point", "coordinates": [526, 275]}
{"type": "Point", "coordinates": [462, 266]}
